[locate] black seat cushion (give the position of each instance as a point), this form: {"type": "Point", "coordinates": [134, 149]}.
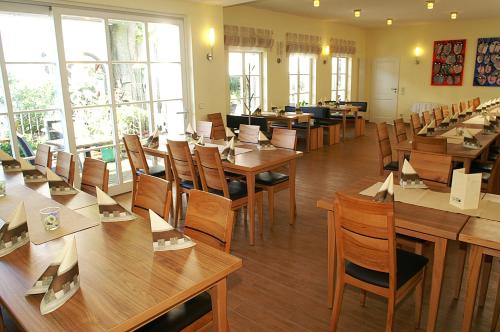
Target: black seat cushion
{"type": "Point", "coordinates": [270, 178]}
{"type": "Point", "coordinates": [392, 166]}
{"type": "Point", "coordinates": [189, 184]}
{"type": "Point", "coordinates": [408, 265]}
{"type": "Point", "coordinates": [492, 156]}
{"type": "Point", "coordinates": [156, 170]}
{"type": "Point", "coordinates": [481, 166]}
{"type": "Point", "coordinates": [495, 149]}
{"type": "Point", "coordinates": [237, 190]}
{"type": "Point", "coordinates": [181, 316]}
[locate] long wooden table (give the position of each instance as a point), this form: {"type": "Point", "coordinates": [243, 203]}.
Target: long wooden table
{"type": "Point", "coordinates": [344, 109]}
{"type": "Point", "coordinates": [250, 164]}
{"type": "Point", "coordinates": [290, 119]}
{"type": "Point", "coordinates": [435, 226]}
{"type": "Point", "coordinates": [123, 283]}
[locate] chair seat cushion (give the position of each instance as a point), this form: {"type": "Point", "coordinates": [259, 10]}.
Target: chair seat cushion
{"type": "Point", "coordinates": [270, 178]}
{"type": "Point", "coordinates": [237, 190]}
{"type": "Point", "coordinates": [186, 184]}
{"type": "Point", "coordinates": [182, 316]}
{"type": "Point", "coordinates": [495, 149]}
{"type": "Point", "coordinates": [392, 166]}
{"type": "Point", "coordinates": [481, 166]}
{"type": "Point", "coordinates": [299, 126]}
{"type": "Point", "coordinates": [492, 156]}
{"type": "Point", "coordinates": [155, 170]}
{"type": "Point", "coordinates": [408, 265]}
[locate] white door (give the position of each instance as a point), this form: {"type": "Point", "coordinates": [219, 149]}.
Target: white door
{"type": "Point", "coordinates": [385, 85]}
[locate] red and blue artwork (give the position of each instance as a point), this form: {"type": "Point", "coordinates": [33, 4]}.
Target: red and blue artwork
{"type": "Point", "coordinates": [487, 68]}
{"type": "Point", "coordinates": [448, 62]}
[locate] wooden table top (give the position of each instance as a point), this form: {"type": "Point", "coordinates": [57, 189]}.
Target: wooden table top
{"type": "Point", "coordinates": [123, 281]}
{"type": "Point", "coordinates": [482, 232]}
{"type": "Point", "coordinates": [286, 116]}
{"type": "Point", "coordinates": [425, 220]}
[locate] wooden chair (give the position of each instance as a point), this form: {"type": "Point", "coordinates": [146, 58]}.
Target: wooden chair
{"type": "Point", "coordinates": [152, 193]}
{"type": "Point", "coordinates": [470, 104]}
{"type": "Point", "coordinates": [185, 175]}
{"type": "Point", "coordinates": [43, 156]}
{"type": "Point", "coordinates": [476, 102]}
{"type": "Point", "coordinates": [204, 128]}
{"type": "Point", "coordinates": [214, 180]}
{"type": "Point", "coordinates": [94, 174]}
{"type": "Point", "coordinates": [455, 109]}
{"type": "Point", "coordinates": [385, 150]}
{"type": "Point", "coordinates": [138, 162]}
{"type": "Point", "coordinates": [463, 106]}
{"type": "Point", "coordinates": [218, 127]}
{"type": "Point", "coordinates": [490, 175]}
{"type": "Point", "coordinates": [438, 115]}
{"type": "Point", "coordinates": [65, 166]}
{"type": "Point", "coordinates": [249, 133]}
{"type": "Point", "coordinates": [400, 130]}
{"type": "Point", "coordinates": [209, 219]}
{"type": "Point", "coordinates": [430, 144]}
{"type": "Point", "coordinates": [445, 110]}
{"type": "Point", "coordinates": [367, 257]}
{"type": "Point", "coordinates": [274, 182]}
{"type": "Point", "coordinates": [427, 117]}
{"type": "Point", "coordinates": [433, 168]}
{"type": "Point", "coordinates": [415, 123]}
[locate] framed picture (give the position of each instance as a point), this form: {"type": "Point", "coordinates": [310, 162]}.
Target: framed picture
{"type": "Point", "coordinates": [448, 62]}
{"type": "Point", "coordinates": [487, 68]}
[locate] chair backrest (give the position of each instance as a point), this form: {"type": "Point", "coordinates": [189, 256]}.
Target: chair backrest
{"type": "Point", "coordinates": [249, 133]}
{"type": "Point", "coordinates": [430, 144]}
{"type": "Point", "coordinates": [463, 106]}
{"type": "Point", "coordinates": [218, 128]}
{"type": "Point", "coordinates": [152, 193]}
{"type": "Point", "coordinates": [210, 168]}
{"type": "Point", "coordinates": [204, 128]}
{"type": "Point", "coordinates": [65, 166]}
{"type": "Point", "coordinates": [209, 219]}
{"type": "Point", "coordinates": [476, 102]}
{"type": "Point", "coordinates": [493, 186]}
{"type": "Point", "coordinates": [455, 109]}
{"type": "Point", "coordinates": [43, 156]}
{"type": "Point", "coordinates": [415, 123]}
{"type": "Point", "coordinates": [470, 103]}
{"type": "Point", "coordinates": [438, 115]}
{"type": "Point", "coordinates": [135, 154]}
{"type": "Point", "coordinates": [94, 174]}
{"type": "Point", "coordinates": [284, 138]}
{"type": "Point", "coordinates": [446, 111]}
{"type": "Point", "coordinates": [364, 235]}
{"type": "Point", "coordinates": [181, 162]}
{"type": "Point", "coordinates": [384, 144]}
{"type": "Point", "coordinates": [435, 169]}
{"type": "Point", "coordinates": [427, 117]}
{"type": "Point", "coordinates": [400, 130]}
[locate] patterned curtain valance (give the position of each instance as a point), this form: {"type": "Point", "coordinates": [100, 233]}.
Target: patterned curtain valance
{"type": "Point", "coordinates": [299, 43]}
{"type": "Point", "coordinates": [342, 46]}
{"type": "Point", "coordinates": [247, 37]}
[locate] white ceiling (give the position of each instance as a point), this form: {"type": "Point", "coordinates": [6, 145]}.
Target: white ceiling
{"type": "Point", "coordinates": [375, 12]}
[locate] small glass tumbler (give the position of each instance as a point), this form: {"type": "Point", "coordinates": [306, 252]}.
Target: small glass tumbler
{"type": "Point", "coordinates": [50, 218]}
{"type": "Point", "coordinates": [2, 188]}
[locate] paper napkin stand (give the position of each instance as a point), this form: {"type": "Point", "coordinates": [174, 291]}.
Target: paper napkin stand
{"type": "Point", "coordinates": [465, 190]}
{"type": "Point", "coordinates": [14, 231]}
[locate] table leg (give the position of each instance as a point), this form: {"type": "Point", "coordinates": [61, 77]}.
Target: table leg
{"type": "Point", "coordinates": [251, 205]}
{"type": "Point", "coordinates": [467, 164]}
{"type": "Point", "coordinates": [401, 160]}
{"type": "Point", "coordinates": [437, 280]}
{"type": "Point", "coordinates": [291, 188]}
{"type": "Point", "coordinates": [475, 258]}
{"type": "Point", "coordinates": [344, 123]}
{"type": "Point", "coordinates": [331, 258]}
{"type": "Point", "coordinates": [218, 294]}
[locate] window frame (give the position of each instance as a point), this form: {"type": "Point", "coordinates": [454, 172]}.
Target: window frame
{"type": "Point", "coordinates": [336, 82]}
{"type": "Point", "coordinates": [311, 81]}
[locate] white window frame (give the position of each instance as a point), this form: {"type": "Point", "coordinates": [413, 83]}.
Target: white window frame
{"type": "Point", "coordinates": [336, 82]}
{"type": "Point", "coordinates": [312, 78]}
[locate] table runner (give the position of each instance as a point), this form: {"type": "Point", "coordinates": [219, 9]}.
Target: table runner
{"type": "Point", "coordinates": [489, 205]}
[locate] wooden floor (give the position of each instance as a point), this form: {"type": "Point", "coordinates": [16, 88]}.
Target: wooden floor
{"type": "Point", "coordinates": [282, 285]}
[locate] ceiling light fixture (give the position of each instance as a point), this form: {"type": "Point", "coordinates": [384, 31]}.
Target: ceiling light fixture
{"type": "Point", "coordinates": [316, 3]}
{"type": "Point", "coordinates": [389, 21]}
{"type": "Point", "coordinates": [357, 12]}
{"type": "Point", "coordinates": [453, 15]}
{"type": "Point", "coordinates": [430, 4]}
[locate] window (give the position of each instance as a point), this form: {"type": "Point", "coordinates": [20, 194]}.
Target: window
{"type": "Point", "coordinates": [245, 81]}
{"type": "Point", "coordinates": [301, 69]}
{"type": "Point", "coordinates": [341, 78]}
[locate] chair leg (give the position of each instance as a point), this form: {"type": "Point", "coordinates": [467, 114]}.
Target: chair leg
{"type": "Point", "coordinates": [260, 210]}
{"type": "Point", "coordinates": [244, 211]}
{"type": "Point", "coordinates": [178, 206]}
{"type": "Point", "coordinates": [485, 279]}
{"type": "Point", "coordinates": [270, 199]}
{"type": "Point", "coordinates": [419, 298]}
{"type": "Point", "coordinates": [496, 311]}
{"type": "Point", "coordinates": [391, 303]}
{"type": "Point", "coordinates": [337, 305]}
{"type": "Point", "coordinates": [462, 255]}
{"type": "Point", "coordinates": [362, 299]}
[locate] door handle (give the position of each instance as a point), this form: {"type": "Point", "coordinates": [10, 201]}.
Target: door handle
{"type": "Point", "coordinates": [395, 90]}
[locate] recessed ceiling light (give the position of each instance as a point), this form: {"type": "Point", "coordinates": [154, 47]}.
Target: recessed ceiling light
{"type": "Point", "coordinates": [357, 12]}
{"type": "Point", "coordinates": [453, 15]}
{"type": "Point", "coordinates": [389, 21]}
{"type": "Point", "coordinates": [430, 4]}
{"type": "Point", "coordinates": [316, 3]}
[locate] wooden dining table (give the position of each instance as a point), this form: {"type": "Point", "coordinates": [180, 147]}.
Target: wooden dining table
{"type": "Point", "coordinates": [123, 283]}
{"type": "Point", "coordinates": [290, 118]}
{"type": "Point", "coordinates": [435, 226]}
{"type": "Point", "coordinates": [248, 164]}
{"type": "Point", "coordinates": [344, 109]}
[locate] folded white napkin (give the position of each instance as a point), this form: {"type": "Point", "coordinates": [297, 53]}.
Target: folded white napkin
{"type": "Point", "coordinates": [153, 140]}
{"type": "Point", "coordinates": [58, 186]}
{"type": "Point", "coordinates": [386, 191]}
{"type": "Point", "coordinates": [229, 133]}
{"type": "Point", "coordinates": [14, 230]}
{"type": "Point", "coordinates": [470, 141]}
{"type": "Point", "coordinates": [409, 177]}
{"type": "Point", "coordinates": [229, 151]}
{"type": "Point", "coordinates": [165, 237]}
{"type": "Point", "coordinates": [110, 210]}
{"type": "Point", "coordinates": [423, 131]}
{"type": "Point", "coordinates": [9, 164]}
{"type": "Point", "coordinates": [31, 173]}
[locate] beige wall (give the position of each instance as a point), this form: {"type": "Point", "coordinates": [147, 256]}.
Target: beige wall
{"type": "Point", "coordinates": [277, 74]}
{"type": "Point", "coordinates": [400, 42]}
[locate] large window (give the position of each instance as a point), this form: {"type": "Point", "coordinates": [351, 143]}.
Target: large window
{"type": "Point", "coordinates": [301, 69]}
{"type": "Point", "coordinates": [341, 78]}
{"type": "Point", "coordinates": [245, 81]}
{"type": "Point", "coordinates": [115, 74]}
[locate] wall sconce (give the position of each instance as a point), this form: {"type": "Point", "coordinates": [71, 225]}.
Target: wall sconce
{"type": "Point", "coordinates": [326, 52]}
{"type": "Point", "coordinates": [418, 52]}
{"type": "Point", "coordinates": [316, 3]}
{"type": "Point", "coordinates": [389, 21]}
{"type": "Point", "coordinates": [357, 12]}
{"type": "Point", "coordinates": [453, 15]}
{"type": "Point", "coordinates": [211, 43]}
